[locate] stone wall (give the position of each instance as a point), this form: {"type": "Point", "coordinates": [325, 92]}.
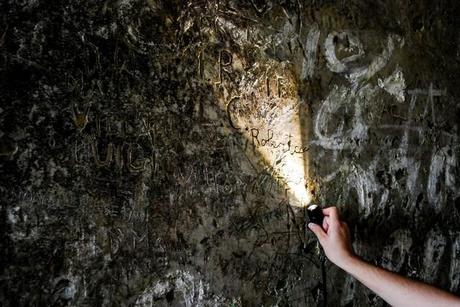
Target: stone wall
{"type": "Point", "coordinates": [162, 153]}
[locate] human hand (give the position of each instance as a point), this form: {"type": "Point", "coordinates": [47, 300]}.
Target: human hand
{"type": "Point", "coordinates": [334, 237]}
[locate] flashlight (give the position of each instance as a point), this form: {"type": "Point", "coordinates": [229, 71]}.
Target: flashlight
{"type": "Point", "coordinates": [315, 214]}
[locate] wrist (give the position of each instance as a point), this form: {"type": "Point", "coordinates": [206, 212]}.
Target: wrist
{"type": "Point", "coordinates": [348, 262]}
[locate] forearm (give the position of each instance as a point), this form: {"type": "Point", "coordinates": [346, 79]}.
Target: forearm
{"type": "Point", "coordinates": [397, 290]}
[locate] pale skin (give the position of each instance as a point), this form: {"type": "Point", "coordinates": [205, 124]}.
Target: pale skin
{"type": "Point", "coordinates": [396, 290]}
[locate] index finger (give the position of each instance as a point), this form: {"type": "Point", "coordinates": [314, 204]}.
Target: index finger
{"type": "Point", "coordinates": [332, 212]}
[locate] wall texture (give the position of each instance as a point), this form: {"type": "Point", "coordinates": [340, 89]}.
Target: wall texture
{"type": "Point", "coordinates": [161, 153]}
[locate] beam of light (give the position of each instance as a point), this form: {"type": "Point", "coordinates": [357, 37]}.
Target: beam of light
{"type": "Point", "coordinates": [283, 152]}
{"type": "Point", "coordinates": [275, 127]}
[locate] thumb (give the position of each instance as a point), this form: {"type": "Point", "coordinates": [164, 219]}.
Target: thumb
{"type": "Point", "coordinates": [318, 231]}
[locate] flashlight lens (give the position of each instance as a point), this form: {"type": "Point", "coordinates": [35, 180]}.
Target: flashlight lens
{"type": "Point", "coordinates": [315, 214]}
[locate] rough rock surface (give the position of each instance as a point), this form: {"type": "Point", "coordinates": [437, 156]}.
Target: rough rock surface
{"type": "Point", "coordinates": [155, 153]}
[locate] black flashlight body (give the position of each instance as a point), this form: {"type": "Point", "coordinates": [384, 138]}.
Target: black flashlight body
{"type": "Point", "coordinates": [315, 214]}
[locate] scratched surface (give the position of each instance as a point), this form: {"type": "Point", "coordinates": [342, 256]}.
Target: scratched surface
{"type": "Point", "coordinates": [158, 153]}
